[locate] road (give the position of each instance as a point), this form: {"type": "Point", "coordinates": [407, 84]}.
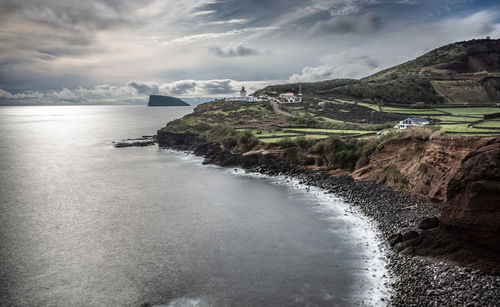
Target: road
{"type": "Point", "coordinates": [277, 109]}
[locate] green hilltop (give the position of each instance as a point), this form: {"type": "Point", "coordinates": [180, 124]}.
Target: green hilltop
{"type": "Point", "coordinates": [459, 73]}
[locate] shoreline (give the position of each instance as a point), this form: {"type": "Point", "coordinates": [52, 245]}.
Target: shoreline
{"type": "Point", "coordinates": [377, 278]}
{"type": "Point", "coordinates": [418, 280]}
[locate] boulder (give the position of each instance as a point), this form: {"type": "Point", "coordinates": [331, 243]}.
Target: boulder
{"type": "Point", "coordinates": [428, 223]}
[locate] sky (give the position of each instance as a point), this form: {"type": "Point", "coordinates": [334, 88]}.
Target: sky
{"type": "Point", "coordinates": [121, 51]}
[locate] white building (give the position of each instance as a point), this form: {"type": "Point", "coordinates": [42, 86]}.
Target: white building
{"type": "Point", "coordinates": [243, 96]}
{"type": "Point", "coordinates": [287, 98]}
{"type": "Point", "coordinates": [290, 97]}
{"type": "Point", "coordinates": [412, 122]}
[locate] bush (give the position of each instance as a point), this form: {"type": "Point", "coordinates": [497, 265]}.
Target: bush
{"type": "Point", "coordinates": [306, 120]}
{"type": "Point", "coordinates": [245, 141]}
{"type": "Point", "coordinates": [304, 143]}
{"type": "Point", "coordinates": [286, 142]}
{"type": "Point", "coordinates": [417, 133]}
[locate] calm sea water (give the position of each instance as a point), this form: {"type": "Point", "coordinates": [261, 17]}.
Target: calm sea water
{"type": "Point", "coordinates": [85, 224]}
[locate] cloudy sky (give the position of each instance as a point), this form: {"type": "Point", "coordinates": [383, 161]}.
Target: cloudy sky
{"type": "Point", "coordinates": [112, 51]}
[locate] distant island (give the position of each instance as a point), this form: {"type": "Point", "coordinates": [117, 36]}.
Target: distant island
{"type": "Point", "coordinates": [165, 101]}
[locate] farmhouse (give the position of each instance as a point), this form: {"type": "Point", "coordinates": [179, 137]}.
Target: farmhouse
{"type": "Point", "coordinates": [290, 97]}
{"type": "Point", "coordinates": [412, 122]}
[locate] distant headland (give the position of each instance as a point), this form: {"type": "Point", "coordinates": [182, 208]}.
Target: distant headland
{"type": "Point", "coordinates": [165, 101]}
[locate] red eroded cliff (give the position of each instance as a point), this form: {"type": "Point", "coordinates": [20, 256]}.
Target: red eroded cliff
{"type": "Point", "coordinates": [422, 167]}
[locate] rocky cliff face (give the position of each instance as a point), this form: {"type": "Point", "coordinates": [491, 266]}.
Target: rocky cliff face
{"type": "Point", "coordinates": [461, 176]}
{"type": "Point", "coordinates": [420, 167]}
{"type": "Point", "coordinates": [472, 209]}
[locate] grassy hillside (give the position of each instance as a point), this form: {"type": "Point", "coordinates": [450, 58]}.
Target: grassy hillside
{"type": "Point", "coordinates": [463, 72]}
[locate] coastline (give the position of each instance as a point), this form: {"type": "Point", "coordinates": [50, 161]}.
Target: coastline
{"type": "Point", "coordinates": [375, 289]}
{"type": "Point", "coordinates": [418, 281]}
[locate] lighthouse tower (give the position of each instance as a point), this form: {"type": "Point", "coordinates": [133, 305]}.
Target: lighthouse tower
{"type": "Point", "coordinates": [243, 92]}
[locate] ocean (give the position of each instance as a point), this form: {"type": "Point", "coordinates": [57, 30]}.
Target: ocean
{"type": "Point", "coordinates": [85, 224]}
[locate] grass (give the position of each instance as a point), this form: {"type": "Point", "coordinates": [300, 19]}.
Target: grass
{"type": "Point", "coordinates": [483, 135]}
{"type": "Point", "coordinates": [449, 118]}
{"type": "Point", "coordinates": [470, 111]}
{"type": "Point", "coordinates": [412, 111]}
{"type": "Point", "coordinates": [332, 131]}
{"type": "Point", "coordinates": [489, 123]}
{"type": "Point", "coordinates": [464, 129]}
{"type": "Point", "coordinates": [330, 120]}
{"type": "Point", "coordinates": [364, 104]}
{"type": "Point", "coordinates": [276, 134]}
{"type": "Point", "coordinates": [274, 140]}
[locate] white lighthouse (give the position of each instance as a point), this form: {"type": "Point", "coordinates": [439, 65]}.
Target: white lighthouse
{"type": "Point", "coordinates": [243, 96]}
{"type": "Point", "coordinates": [243, 92]}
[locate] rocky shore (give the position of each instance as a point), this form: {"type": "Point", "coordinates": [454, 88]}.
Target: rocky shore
{"type": "Point", "coordinates": [405, 222]}
{"type": "Point", "coordinates": [146, 140]}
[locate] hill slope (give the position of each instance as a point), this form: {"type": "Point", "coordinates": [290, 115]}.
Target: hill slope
{"type": "Point", "coordinates": [463, 72]}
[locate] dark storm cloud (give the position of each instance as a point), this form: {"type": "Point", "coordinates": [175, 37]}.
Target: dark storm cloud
{"type": "Point", "coordinates": [369, 22]}
{"type": "Point", "coordinates": [72, 15]}
{"type": "Point", "coordinates": [233, 50]}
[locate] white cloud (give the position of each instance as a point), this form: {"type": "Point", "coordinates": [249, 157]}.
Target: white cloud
{"type": "Point", "coordinates": [341, 65]}
{"type": "Point", "coordinates": [311, 74]}
{"type": "Point", "coordinates": [133, 90]}
{"type": "Point", "coordinates": [230, 21]}
{"type": "Point", "coordinates": [205, 36]}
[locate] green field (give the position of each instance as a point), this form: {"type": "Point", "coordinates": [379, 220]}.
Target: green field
{"type": "Point", "coordinates": [364, 104]}
{"type": "Point", "coordinates": [464, 128]}
{"type": "Point", "coordinates": [473, 111]}
{"type": "Point", "coordinates": [274, 140]}
{"type": "Point", "coordinates": [331, 131]}
{"type": "Point", "coordinates": [330, 120]}
{"type": "Point", "coordinates": [449, 118]}
{"type": "Point", "coordinates": [274, 134]}
{"type": "Point", "coordinates": [489, 123]}
{"type": "Point", "coordinates": [427, 112]}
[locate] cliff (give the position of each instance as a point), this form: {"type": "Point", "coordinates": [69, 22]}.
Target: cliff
{"type": "Point", "coordinates": [472, 207]}
{"type": "Point", "coordinates": [165, 101]}
{"type": "Point", "coordinates": [422, 167]}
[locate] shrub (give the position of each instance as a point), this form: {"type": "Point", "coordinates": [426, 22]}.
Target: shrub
{"type": "Point", "coordinates": [416, 133]}
{"type": "Point", "coordinates": [304, 143]}
{"type": "Point", "coordinates": [306, 120]}
{"type": "Point", "coordinates": [245, 141]}
{"type": "Point", "coordinates": [286, 142]}
{"type": "Point", "coordinates": [292, 151]}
